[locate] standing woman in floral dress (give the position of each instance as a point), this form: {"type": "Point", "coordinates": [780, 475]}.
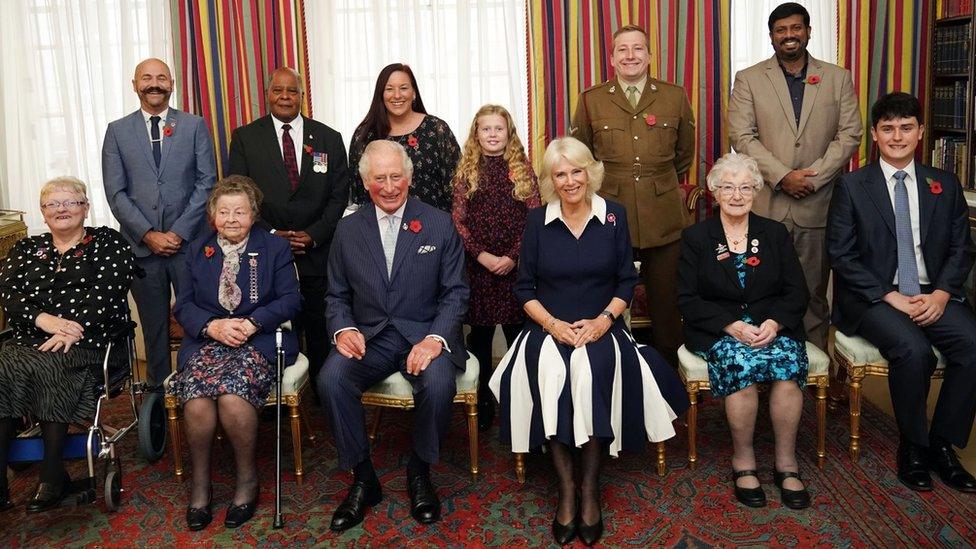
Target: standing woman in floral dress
{"type": "Point", "coordinates": [494, 188]}
{"type": "Point", "coordinates": [397, 113]}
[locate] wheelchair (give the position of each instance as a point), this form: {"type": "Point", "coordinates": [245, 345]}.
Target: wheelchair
{"type": "Point", "coordinates": [118, 374]}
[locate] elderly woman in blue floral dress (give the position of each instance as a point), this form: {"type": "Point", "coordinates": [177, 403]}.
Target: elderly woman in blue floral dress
{"type": "Point", "coordinates": [239, 286]}
{"type": "Point", "coordinates": [743, 295]}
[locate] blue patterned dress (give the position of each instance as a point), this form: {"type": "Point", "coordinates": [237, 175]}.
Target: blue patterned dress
{"type": "Point", "coordinates": [733, 365]}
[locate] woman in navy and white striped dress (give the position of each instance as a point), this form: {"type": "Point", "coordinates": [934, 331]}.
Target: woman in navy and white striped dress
{"type": "Point", "coordinates": [575, 376]}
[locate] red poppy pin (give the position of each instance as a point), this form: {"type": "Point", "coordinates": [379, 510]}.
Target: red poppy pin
{"type": "Point", "coordinates": [308, 149]}
{"type": "Point", "coordinates": [168, 130]}
{"type": "Point", "coordinates": [208, 251]}
{"type": "Point", "coordinates": [934, 186]}
{"type": "Point", "coordinates": [813, 79]}
{"type": "Point", "coordinates": [78, 253]}
{"type": "Point", "coordinates": [412, 141]}
{"type": "Point", "coordinates": [612, 219]}
{"type": "Point", "coordinates": [415, 226]}
{"type": "Point", "coordinates": [650, 119]}
{"type": "Point", "coordinates": [87, 239]}
{"type": "Point", "coordinates": [753, 261]}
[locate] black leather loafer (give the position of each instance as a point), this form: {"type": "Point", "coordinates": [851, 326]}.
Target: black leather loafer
{"type": "Point", "coordinates": [239, 514]}
{"type": "Point", "coordinates": [590, 533]}
{"type": "Point", "coordinates": [361, 496]}
{"type": "Point", "coordinates": [751, 497]}
{"type": "Point", "coordinates": [198, 518]}
{"type": "Point", "coordinates": [913, 469]}
{"type": "Point", "coordinates": [48, 496]}
{"type": "Point", "coordinates": [944, 461]}
{"type": "Point", "coordinates": [794, 499]}
{"type": "Point", "coordinates": [425, 508]}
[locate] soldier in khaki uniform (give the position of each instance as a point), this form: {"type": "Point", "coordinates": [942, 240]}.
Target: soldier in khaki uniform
{"type": "Point", "coordinates": [644, 132]}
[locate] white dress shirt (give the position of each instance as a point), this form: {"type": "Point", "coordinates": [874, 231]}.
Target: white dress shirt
{"type": "Point", "coordinates": [297, 137]}
{"type": "Point", "coordinates": [162, 122]}
{"type": "Point", "coordinates": [911, 184]}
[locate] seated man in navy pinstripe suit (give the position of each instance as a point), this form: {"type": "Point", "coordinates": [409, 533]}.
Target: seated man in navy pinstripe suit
{"type": "Point", "coordinates": [396, 300]}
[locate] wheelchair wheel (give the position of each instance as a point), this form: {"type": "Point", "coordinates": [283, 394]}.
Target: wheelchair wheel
{"type": "Point", "coordinates": [113, 488]}
{"type": "Point", "coordinates": [152, 427]}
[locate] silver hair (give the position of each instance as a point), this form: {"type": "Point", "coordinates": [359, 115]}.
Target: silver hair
{"type": "Point", "coordinates": [734, 163]}
{"type": "Point", "coordinates": [383, 145]}
{"type": "Point", "coordinates": [64, 183]}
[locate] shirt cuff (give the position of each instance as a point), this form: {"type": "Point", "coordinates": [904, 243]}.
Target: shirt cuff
{"type": "Point", "coordinates": [441, 339]}
{"type": "Point", "coordinates": [340, 330]}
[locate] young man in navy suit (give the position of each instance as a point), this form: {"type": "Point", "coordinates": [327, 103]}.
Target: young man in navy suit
{"type": "Point", "coordinates": [158, 168]}
{"type": "Point", "coordinates": [900, 248]}
{"type": "Point", "coordinates": [396, 300]}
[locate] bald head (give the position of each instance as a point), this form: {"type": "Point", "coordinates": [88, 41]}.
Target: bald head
{"type": "Point", "coordinates": [285, 92]}
{"type": "Point", "coordinates": [153, 83]}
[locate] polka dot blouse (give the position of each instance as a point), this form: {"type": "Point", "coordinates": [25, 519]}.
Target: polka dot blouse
{"type": "Point", "coordinates": [87, 284]}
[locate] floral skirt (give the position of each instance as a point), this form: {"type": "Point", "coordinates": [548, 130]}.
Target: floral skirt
{"type": "Point", "coordinates": [733, 366]}
{"type": "Point", "coordinates": [217, 369]}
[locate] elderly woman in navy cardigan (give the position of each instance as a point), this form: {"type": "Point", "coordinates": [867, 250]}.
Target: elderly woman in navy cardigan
{"type": "Point", "coordinates": [239, 286]}
{"type": "Point", "coordinates": [742, 294]}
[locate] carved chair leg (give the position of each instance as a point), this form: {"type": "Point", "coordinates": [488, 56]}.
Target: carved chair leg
{"type": "Point", "coordinates": [472, 407]}
{"type": "Point", "coordinates": [821, 424]}
{"type": "Point", "coordinates": [309, 433]}
{"type": "Point", "coordinates": [296, 440]}
{"type": "Point", "coordinates": [662, 466]}
{"type": "Point", "coordinates": [854, 382]}
{"type": "Point", "coordinates": [693, 426]}
{"type": "Point", "coordinates": [520, 468]}
{"type": "Point", "coordinates": [173, 418]}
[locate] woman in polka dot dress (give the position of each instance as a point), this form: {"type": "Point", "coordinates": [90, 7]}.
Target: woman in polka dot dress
{"type": "Point", "coordinates": [63, 293]}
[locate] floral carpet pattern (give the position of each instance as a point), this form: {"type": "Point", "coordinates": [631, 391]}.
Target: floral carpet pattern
{"type": "Point", "coordinates": [859, 505]}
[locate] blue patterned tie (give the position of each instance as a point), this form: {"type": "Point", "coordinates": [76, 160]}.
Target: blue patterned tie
{"type": "Point", "coordinates": [907, 268]}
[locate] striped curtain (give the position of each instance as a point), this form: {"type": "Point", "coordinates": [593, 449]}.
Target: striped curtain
{"type": "Point", "coordinates": [226, 50]}
{"type": "Point", "coordinates": [569, 48]}
{"type": "Point", "coordinates": [884, 43]}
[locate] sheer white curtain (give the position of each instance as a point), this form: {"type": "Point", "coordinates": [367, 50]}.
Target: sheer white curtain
{"type": "Point", "coordinates": [65, 73]}
{"type": "Point", "coordinates": [463, 53]}
{"type": "Point", "coordinates": [750, 33]}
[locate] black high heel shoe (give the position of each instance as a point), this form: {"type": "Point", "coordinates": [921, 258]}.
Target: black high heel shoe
{"type": "Point", "coordinates": [564, 533]}
{"type": "Point", "coordinates": [197, 518]}
{"type": "Point", "coordinates": [752, 497]}
{"type": "Point", "coordinates": [239, 514]}
{"type": "Point", "coordinates": [589, 534]}
{"type": "Point", "coordinates": [794, 499]}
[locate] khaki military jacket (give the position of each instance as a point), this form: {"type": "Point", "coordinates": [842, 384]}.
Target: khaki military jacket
{"type": "Point", "coordinates": [644, 151]}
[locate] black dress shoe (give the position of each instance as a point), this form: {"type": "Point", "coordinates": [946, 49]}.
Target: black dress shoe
{"type": "Point", "coordinates": [944, 461]}
{"type": "Point", "coordinates": [350, 512]}
{"type": "Point", "coordinates": [425, 508]}
{"type": "Point", "coordinates": [197, 518]}
{"type": "Point", "coordinates": [913, 468]}
{"type": "Point", "coordinates": [752, 497]}
{"type": "Point", "coordinates": [590, 533]}
{"type": "Point", "coordinates": [564, 533]}
{"type": "Point", "coordinates": [794, 499]}
{"type": "Point", "coordinates": [48, 496]}
{"type": "Point", "coordinates": [239, 514]}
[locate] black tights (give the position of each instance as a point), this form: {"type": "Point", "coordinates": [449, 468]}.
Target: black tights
{"type": "Point", "coordinates": [591, 456]}
{"type": "Point", "coordinates": [479, 343]}
{"type": "Point", "coordinates": [53, 434]}
{"type": "Point", "coordinates": [240, 422]}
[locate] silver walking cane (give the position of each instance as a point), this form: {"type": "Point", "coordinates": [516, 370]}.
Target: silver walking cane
{"type": "Point", "coordinates": [280, 355]}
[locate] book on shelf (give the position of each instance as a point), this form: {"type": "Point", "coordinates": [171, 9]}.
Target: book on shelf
{"type": "Point", "coordinates": [952, 8]}
{"type": "Point", "coordinates": [948, 105]}
{"type": "Point", "coordinates": [950, 154]}
{"type": "Point", "coordinates": [952, 51]}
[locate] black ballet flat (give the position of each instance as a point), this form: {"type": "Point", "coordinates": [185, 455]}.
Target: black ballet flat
{"type": "Point", "coordinates": [589, 534]}
{"type": "Point", "coordinates": [794, 499]}
{"type": "Point", "coordinates": [198, 518]}
{"type": "Point", "coordinates": [750, 497]}
{"type": "Point", "coordinates": [237, 515]}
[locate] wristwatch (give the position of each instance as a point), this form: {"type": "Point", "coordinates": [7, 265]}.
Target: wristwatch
{"type": "Point", "coordinates": [607, 313]}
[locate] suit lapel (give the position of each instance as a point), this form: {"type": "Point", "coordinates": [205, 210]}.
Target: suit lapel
{"type": "Point", "coordinates": [270, 139]}
{"type": "Point", "coordinates": [648, 96]}
{"type": "Point", "coordinates": [810, 91]}
{"type": "Point", "coordinates": [306, 159]}
{"type": "Point", "coordinates": [719, 246]}
{"type": "Point", "coordinates": [406, 244]}
{"type": "Point", "coordinates": [755, 240]}
{"type": "Point", "coordinates": [371, 234]}
{"type": "Point", "coordinates": [775, 75]}
{"type": "Point", "coordinates": [142, 137]}
{"type": "Point", "coordinates": [876, 188]}
{"type": "Point", "coordinates": [619, 95]}
{"type": "Point", "coordinates": [927, 200]}
{"type": "Point", "coordinates": [171, 118]}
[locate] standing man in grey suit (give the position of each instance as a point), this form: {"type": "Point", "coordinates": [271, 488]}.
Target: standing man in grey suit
{"type": "Point", "coordinates": [798, 117]}
{"type": "Point", "coordinates": [396, 300]}
{"type": "Point", "coordinates": [158, 168]}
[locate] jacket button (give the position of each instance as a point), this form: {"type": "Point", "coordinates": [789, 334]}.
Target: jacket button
{"type": "Point", "coordinates": [635, 138]}
{"type": "Point", "coordinates": [744, 306]}
{"type": "Point", "coordinates": [154, 206]}
{"type": "Point", "coordinates": [797, 145]}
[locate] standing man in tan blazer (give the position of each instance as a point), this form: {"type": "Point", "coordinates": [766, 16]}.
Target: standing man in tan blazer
{"type": "Point", "coordinates": [644, 132]}
{"type": "Point", "coordinates": [798, 117]}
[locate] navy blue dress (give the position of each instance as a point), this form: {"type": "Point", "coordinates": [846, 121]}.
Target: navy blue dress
{"type": "Point", "coordinates": [614, 389]}
{"type": "Point", "coordinates": [733, 365]}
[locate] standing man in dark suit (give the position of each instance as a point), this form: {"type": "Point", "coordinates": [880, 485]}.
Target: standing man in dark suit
{"type": "Point", "coordinates": [158, 168]}
{"type": "Point", "coordinates": [899, 244]}
{"type": "Point", "coordinates": [643, 131]}
{"type": "Point", "coordinates": [300, 165]}
{"type": "Point", "coordinates": [397, 298]}
{"type": "Point", "coordinates": [798, 117]}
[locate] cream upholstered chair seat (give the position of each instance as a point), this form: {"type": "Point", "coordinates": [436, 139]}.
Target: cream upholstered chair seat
{"type": "Point", "coordinates": [694, 373]}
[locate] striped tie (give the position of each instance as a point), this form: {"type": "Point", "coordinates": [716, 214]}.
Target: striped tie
{"type": "Point", "coordinates": [389, 243]}
{"type": "Point", "coordinates": [907, 268]}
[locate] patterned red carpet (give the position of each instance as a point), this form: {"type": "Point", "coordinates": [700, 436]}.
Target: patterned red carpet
{"type": "Point", "coordinates": [854, 505]}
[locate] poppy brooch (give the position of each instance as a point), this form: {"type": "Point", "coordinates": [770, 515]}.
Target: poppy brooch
{"type": "Point", "coordinates": [208, 251]}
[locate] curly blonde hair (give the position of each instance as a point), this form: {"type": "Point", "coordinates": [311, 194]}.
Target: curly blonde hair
{"type": "Point", "coordinates": [468, 168]}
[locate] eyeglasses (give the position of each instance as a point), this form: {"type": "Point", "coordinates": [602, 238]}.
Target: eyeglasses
{"type": "Point", "coordinates": [68, 204]}
{"type": "Point", "coordinates": [729, 190]}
